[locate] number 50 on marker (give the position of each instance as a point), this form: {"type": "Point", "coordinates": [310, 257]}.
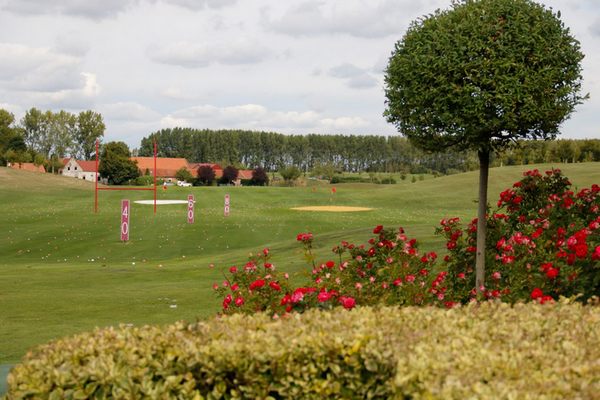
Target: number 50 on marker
{"type": "Point", "coordinates": [125, 211]}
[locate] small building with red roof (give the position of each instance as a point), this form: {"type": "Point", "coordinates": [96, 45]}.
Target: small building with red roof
{"type": "Point", "coordinates": [166, 168]}
{"type": "Point", "coordinates": [85, 170]}
{"type": "Point", "coordinates": [31, 167]}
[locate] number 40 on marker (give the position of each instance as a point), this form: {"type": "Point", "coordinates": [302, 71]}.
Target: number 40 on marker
{"type": "Point", "coordinates": [125, 211]}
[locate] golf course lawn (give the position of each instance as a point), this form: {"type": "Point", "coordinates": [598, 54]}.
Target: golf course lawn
{"type": "Point", "coordinates": [64, 270]}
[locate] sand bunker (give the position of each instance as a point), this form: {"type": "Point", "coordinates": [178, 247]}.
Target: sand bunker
{"type": "Point", "coordinates": [159, 202]}
{"type": "Point", "coordinates": [332, 208]}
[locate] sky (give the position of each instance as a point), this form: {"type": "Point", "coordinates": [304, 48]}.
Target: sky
{"type": "Point", "coordinates": [294, 66]}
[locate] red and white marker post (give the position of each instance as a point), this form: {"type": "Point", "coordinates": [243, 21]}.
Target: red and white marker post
{"type": "Point", "coordinates": [125, 212]}
{"type": "Point", "coordinates": [190, 212]}
{"type": "Point", "coordinates": [226, 210]}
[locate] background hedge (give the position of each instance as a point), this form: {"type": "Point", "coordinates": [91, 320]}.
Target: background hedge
{"type": "Point", "coordinates": [488, 351]}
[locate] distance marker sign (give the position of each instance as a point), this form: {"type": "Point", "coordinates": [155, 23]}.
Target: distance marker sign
{"type": "Point", "coordinates": [125, 211]}
{"type": "Point", "coordinates": [190, 212]}
{"type": "Point", "coordinates": [226, 209]}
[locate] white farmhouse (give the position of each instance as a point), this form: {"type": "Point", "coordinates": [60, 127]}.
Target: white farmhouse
{"type": "Point", "coordinates": [85, 170]}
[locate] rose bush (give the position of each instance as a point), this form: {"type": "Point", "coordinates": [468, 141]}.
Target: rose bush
{"type": "Point", "coordinates": [543, 243]}
{"type": "Point", "coordinates": [388, 270]}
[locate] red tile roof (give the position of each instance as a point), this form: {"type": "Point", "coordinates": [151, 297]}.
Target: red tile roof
{"type": "Point", "coordinates": [216, 167]}
{"type": "Point", "coordinates": [198, 165]}
{"type": "Point", "coordinates": [29, 167]}
{"type": "Point", "coordinates": [165, 167]}
{"type": "Point", "coordinates": [245, 174]}
{"type": "Point", "coordinates": [87, 166]}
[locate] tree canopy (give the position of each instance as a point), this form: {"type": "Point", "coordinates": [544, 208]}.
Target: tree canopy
{"type": "Point", "coordinates": [115, 164]}
{"type": "Point", "coordinates": [480, 76]}
{"type": "Point", "coordinates": [260, 177]}
{"type": "Point", "coordinates": [230, 174]}
{"type": "Point", "coordinates": [206, 175]}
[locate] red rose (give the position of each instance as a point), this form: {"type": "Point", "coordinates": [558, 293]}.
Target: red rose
{"type": "Point", "coordinates": [596, 255]}
{"type": "Point", "coordinates": [546, 266]}
{"type": "Point", "coordinates": [286, 300]}
{"type": "Point", "coordinates": [378, 229]}
{"type": "Point", "coordinates": [266, 251]}
{"type": "Point", "coordinates": [330, 264]}
{"type": "Point", "coordinates": [323, 296]}
{"type": "Point", "coordinates": [536, 293]}
{"type": "Point", "coordinates": [275, 286]}
{"type": "Point", "coordinates": [347, 302]}
{"type": "Point", "coordinates": [257, 284]}
{"type": "Point", "coordinates": [581, 250]}
{"type": "Point", "coordinates": [233, 269]}
{"type": "Point", "coordinates": [239, 301]}
{"type": "Point", "coordinates": [552, 273]}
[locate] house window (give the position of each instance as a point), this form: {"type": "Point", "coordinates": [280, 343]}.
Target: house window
{"type": "Point", "coordinates": [75, 168]}
{"type": "Point", "coordinates": [68, 168]}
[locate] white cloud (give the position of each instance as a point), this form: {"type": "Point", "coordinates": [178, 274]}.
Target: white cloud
{"type": "Point", "coordinates": [12, 108]}
{"type": "Point", "coordinates": [72, 43]}
{"type": "Point", "coordinates": [258, 117]}
{"type": "Point", "coordinates": [128, 111]}
{"type": "Point", "coordinates": [595, 27]}
{"type": "Point", "coordinates": [38, 69]}
{"type": "Point", "coordinates": [355, 77]}
{"type": "Point", "coordinates": [76, 98]}
{"type": "Point", "coordinates": [201, 4]}
{"type": "Point", "coordinates": [99, 9]}
{"type": "Point", "coordinates": [198, 55]}
{"type": "Point", "coordinates": [317, 55]}
{"type": "Point", "coordinates": [359, 18]}
{"type": "Point", "coordinates": [93, 9]}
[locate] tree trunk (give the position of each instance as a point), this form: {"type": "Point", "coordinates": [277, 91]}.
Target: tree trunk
{"type": "Point", "coordinates": [484, 165]}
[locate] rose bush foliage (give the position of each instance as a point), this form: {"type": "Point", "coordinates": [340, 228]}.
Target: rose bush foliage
{"type": "Point", "coordinates": [543, 243]}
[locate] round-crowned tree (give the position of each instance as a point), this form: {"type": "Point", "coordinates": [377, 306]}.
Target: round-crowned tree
{"type": "Point", "coordinates": [230, 174]}
{"type": "Point", "coordinates": [260, 177]}
{"type": "Point", "coordinates": [206, 175]}
{"type": "Point", "coordinates": [115, 164]}
{"type": "Point", "coordinates": [482, 75]}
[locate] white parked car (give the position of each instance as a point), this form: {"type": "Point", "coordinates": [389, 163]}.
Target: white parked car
{"type": "Point", "coordinates": [183, 184]}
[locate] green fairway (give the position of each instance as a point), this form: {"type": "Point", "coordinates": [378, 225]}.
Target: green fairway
{"type": "Point", "coordinates": [63, 269]}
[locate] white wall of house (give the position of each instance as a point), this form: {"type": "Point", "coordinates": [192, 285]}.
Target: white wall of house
{"type": "Point", "coordinates": [71, 169]}
{"type": "Point", "coordinates": [88, 176]}
{"type": "Point", "coordinates": [74, 170]}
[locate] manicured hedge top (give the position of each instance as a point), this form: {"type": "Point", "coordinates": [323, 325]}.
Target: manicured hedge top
{"type": "Point", "coordinates": [487, 351]}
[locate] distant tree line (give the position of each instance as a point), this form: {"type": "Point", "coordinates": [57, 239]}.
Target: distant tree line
{"type": "Point", "coordinates": [44, 137]}
{"type": "Point", "coordinates": [349, 153]}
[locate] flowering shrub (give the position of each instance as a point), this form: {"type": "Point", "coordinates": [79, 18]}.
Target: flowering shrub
{"type": "Point", "coordinates": [543, 242]}
{"type": "Point", "coordinates": [255, 287]}
{"type": "Point", "coordinates": [388, 270]}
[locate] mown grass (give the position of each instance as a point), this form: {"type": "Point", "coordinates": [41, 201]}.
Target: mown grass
{"type": "Point", "coordinates": [63, 269]}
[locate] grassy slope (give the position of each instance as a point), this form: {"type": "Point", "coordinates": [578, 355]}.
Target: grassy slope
{"type": "Point", "coordinates": [63, 269]}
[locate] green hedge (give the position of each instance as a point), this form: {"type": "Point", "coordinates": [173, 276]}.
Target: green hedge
{"type": "Point", "coordinates": [490, 351]}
